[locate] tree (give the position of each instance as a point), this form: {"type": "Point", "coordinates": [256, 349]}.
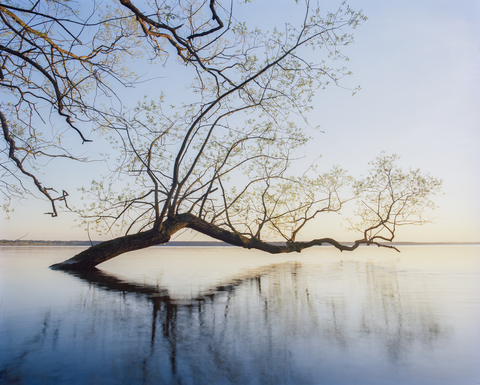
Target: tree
{"type": "Point", "coordinates": [220, 163]}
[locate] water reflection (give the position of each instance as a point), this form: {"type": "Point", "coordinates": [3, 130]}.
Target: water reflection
{"type": "Point", "coordinates": [286, 323]}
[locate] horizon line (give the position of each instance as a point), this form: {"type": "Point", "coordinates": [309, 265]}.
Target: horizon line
{"type": "Point", "coordinates": [221, 243]}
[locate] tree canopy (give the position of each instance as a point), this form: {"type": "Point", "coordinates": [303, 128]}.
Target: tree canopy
{"type": "Point", "coordinates": [222, 161]}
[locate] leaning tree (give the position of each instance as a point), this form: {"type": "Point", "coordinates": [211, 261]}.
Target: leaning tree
{"type": "Point", "coordinates": [221, 161]}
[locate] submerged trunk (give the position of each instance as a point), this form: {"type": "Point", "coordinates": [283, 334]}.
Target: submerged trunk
{"type": "Point", "coordinates": [93, 256]}
{"type": "Point", "coordinates": [104, 251]}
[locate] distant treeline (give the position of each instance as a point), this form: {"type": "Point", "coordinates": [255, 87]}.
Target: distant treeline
{"type": "Point", "coordinates": [45, 243]}
{"type": "Point", "coordinates": [198, 243]}
{"type": "Point", "coordinates": [87, 243]}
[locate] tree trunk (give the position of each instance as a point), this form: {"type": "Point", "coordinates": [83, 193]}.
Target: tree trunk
{"type": "Point", "coordinates": [104, 251]}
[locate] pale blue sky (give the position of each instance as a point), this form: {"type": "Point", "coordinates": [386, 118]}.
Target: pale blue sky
{"type": "Point", "coordinates": [418, 63]}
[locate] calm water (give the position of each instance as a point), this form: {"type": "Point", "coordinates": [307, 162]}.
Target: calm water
{"type": "Point", "coordinates": [230, 316]}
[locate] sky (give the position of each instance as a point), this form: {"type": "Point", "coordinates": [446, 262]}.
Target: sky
{"type": "Point", "coordinates": [418, 65]}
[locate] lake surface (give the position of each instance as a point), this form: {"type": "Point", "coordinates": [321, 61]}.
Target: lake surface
{"type": "Point", "coordinates": [222, 315]}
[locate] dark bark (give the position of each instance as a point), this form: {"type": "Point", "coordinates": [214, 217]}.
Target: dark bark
{"type": "Point", "coordinates": [254, 243]}
{"type": "Point", "coordinates": [93, 256]}
{"type": "Point", "coordinates": [104, 251]}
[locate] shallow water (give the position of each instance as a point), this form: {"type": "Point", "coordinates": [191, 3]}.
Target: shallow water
{"type": "Point", "coordinates": [171, 315]}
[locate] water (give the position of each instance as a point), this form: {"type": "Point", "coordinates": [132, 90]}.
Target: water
{"type": "Point", "coordinates": [229, 316]}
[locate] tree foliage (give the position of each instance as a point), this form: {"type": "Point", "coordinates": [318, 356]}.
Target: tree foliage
{"type": "Point", "coordinates": [222, 161]}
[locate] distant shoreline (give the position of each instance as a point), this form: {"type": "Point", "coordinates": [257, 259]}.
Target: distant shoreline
{"type": "Point", "coordinates": [205, 243]}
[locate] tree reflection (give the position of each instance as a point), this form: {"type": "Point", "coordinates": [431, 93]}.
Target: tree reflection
{"type": "Point", "coordinates": [284, 323]}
